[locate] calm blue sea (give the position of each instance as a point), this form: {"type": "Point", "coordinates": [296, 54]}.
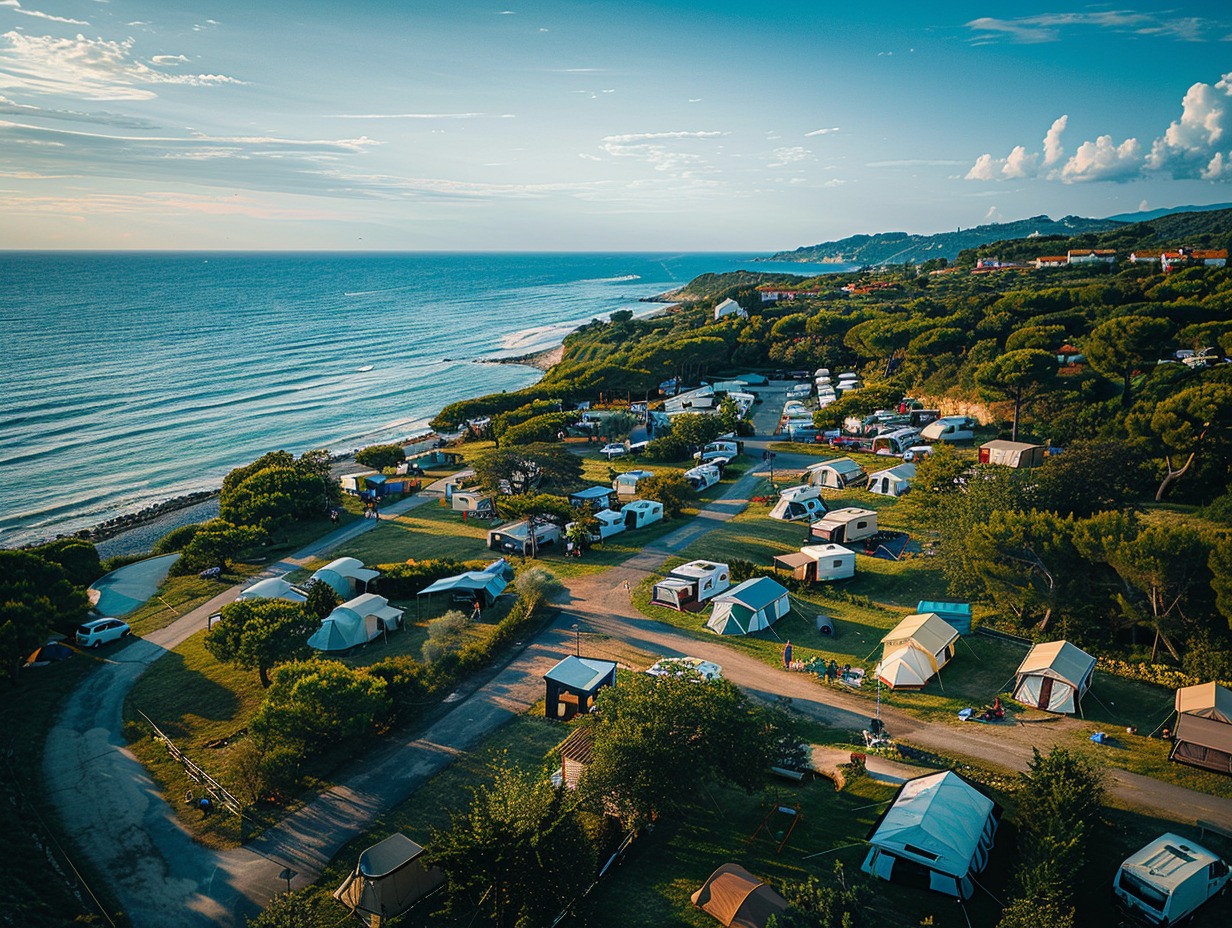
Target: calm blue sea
{"type": "Point", "coordinates": [132, 378]}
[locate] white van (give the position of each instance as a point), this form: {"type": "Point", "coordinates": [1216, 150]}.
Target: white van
{"type": "Point", "coordinates": [1168, 880]}
{"type": "Point", "coordinates": [950, 428]}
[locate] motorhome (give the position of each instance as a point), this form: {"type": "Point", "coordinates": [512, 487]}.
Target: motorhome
{"type": "Point", "coordinates": [797, 504]}
{"type": "Point", "coordinates": [949, 428]}
{"type": "Point", "coordinates": [1168, 880]}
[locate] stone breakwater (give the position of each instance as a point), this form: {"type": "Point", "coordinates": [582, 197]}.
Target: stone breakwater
{"type": "Point", "coordinates": [133, 519]}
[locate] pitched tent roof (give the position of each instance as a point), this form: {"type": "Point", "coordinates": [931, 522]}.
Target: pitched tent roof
{"type": "Point", "coordinates": [389, 878]}
{"type": "Point", "coordinates": [1207, 700]}
{"type": "Point", "coordinates": [753, 605]}
{"type": "Point", "coordinates": [1070, 669]}
{"type": "Point", "coordinates": [580, 673]}
{"type": "Point", "coordinates": [737, 898]}
{"type": "Point", "coordinates": [273, 588]}
{"type": "Point", "coordinates": [906, 667]}
{"type": "Point", "coordinates": [941, 815]}
{"type": "Point", "coordinates": [931, 632]}
{"type": "Point", "coordinates": [492, 580]}
{"type": "Point", "coordinates": [337, 572]}
{"type": "Point", "coordinates": [355, 622]}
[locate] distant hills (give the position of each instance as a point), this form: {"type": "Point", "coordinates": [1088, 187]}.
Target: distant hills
{"type": "Point", "coordinates": [902, 247]}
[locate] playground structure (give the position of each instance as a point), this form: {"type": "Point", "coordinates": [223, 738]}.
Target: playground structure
{"type": "Point", "coordinates": [793, 817]}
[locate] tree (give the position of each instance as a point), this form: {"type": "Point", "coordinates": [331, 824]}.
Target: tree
{"type": "Point", "coordinates": [287, 910]}
{"type": "Point", "coordinates": [214, 544]}
{"type": "Point", "coordinates": [672, 490]}
{"type": "Point", "coordinates": [315, 703]}
{"type": "Point", "coordinates": [78, 557]}
{"type": "Point", "coordinates": [35, 597]}
{"type": "Point", "coordinates": [519, 470]}
{"type": "Point", "coordinates": [513, 855]}
{"type": "Point", "coordinates": [1193, 421]}
{"type": "Point", "coordinates": [1024, 560]}
{"type": "Point", "coordinates": [1092, 476]}
{"type": "Point", "coordinates": [1124, 344]}
{"type": "Point", "coordinates": [655, 733]}
{"type": "Point", "coordinates": [696, 430]}
{"type": "Point", "coordinates": [259, 633]}
{"type": "Point", "coordinates": [1018, 376]}
{"type": "Point", "coordinates": [321, 601]}
{"type": "Point", "coordinates": [273, 496]}
{"type": "Point", "coordinates": [380, 456]}
{"type": "Point", "coordinates": [537, 509]}
{"type": "Point", "coordinates": [812, 904]}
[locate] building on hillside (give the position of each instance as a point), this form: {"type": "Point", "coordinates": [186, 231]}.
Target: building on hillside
{"type": "Point", "coordinates": [771, 293]}
{"type": "Point", "coordinates": [1051, 261]}
{"type": "Point", "coordinates": [1193, 257]}
{"type": "Point", "coordinates": [1091, 256]}
{"type": "Point", "coordinates": [729, 307]}
{"type": "Point", "coordinates": [1145, 257]}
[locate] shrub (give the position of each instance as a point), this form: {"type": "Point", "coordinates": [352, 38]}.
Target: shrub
{"type": "Point", "coordinates": [403, 581]}
{"type": "Point", "coordinates": [379, 457]}
{"type": "Point", "coordinates": [538, 585]}
{"type": "Point", "coordinates": [177, 539]}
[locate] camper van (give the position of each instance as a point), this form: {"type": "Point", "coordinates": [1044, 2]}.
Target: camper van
{"type": "Point", "coordinates": [950, 428]}
{"type": "Point", "coordinates": [691, 584]}
{"type": "Point", "coordinates": [1168, 880]}
{"type": "Point", "coordinates": [470, 503]}
{"type": "Point", "coordinates": [702, 477]}
{"type": "Point", "coordinates": [895, 442]}
{"type": "Point", "coordinates": [796, 504]}
{"type": "Point", "coordinates": [844, 525]}
{"type": "Point", "coordinates": [609, 523]}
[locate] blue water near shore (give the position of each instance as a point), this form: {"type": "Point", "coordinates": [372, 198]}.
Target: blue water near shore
{"type": "Point", "coordinates": [128, 379]}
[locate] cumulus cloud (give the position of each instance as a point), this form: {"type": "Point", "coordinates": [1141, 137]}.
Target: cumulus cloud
{"type": "Point", "coordinates": [1198, 144]}
{"type": "Point", "coordinates": [1053, 152]}
{"type": "Point", "coordinates": [91, 69]}
{"type": "Point", "coordinates": [1104, 160]}
{"type": "Point", "coordinates": [664, 151]}
{"type": "Point", "coordinates": [1020, 163]}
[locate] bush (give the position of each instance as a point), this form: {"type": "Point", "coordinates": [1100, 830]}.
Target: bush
{"type": "Point", "coordinates": [538, 585]}
{"type": "Point", "coordinates": [669, 448]}
{"type": "Point", "coordinates": [404, 581]}
{"type": "Point", "coordinates": [672, 490]}
{"type": "Point", "coordinates": [177, 539]}
{"type": "Point", "coordinates": [379, 457]}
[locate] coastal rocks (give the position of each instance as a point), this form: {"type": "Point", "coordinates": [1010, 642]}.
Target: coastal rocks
{"type": "Point", "coordinates": [149, 514]}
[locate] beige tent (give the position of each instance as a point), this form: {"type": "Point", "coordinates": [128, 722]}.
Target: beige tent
{"type": "Point", "coordinates": [908, 667]}
{"type": "Point", "coordinates": [1204, 727]}
{"type": "Point", "coordinates": [388, 880]}
{"type": "Point", "coordinates": [737, 898]}
{"type": "Point", "coordinates": [1054, 677]}
{"type": "Point", "coordinates": [915, 649]}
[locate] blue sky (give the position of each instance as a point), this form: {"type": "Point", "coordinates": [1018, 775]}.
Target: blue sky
{"type": "Point", "coordinates": [640, 126]}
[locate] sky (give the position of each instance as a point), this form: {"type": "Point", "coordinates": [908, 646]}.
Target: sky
{"type": "Point", "coordinates": [688, 126]}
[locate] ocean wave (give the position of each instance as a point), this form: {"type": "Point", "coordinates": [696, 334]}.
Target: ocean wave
{"type": "Point", "coordinates": [610, 280]}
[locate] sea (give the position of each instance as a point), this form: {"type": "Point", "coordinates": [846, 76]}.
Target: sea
{"type": "Point", "coordinates": [127, 379]}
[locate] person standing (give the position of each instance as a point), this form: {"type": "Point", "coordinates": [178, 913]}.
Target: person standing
{"type": "Point", "coordinates": [787, 654]}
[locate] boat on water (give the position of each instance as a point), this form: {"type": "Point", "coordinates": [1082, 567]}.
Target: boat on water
{"type": "Point", "coordinates": [366, 368]}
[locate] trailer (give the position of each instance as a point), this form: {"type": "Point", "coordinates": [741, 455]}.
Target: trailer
{"type": "Point", "coordinates": [1168, 880]}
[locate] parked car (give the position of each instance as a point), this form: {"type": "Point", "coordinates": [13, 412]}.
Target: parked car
{"type": "Point", "coordinates": [100, 631]}
{"type": "Point", "coordinates": [613, 450]}
{"type": "Point", "coordinates": [686, 666]}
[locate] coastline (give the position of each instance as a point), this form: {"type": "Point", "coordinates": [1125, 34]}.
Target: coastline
{"type": "Point", "coordinates": [543, 360]}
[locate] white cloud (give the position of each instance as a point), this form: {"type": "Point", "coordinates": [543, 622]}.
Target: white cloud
{"type": "Point", "coordinates": [1053, 152]}
{"type": "Point", "coordinates": [993, 214]}
{"type": "Point", "coordinates": [663, 150]}
{"type": "Point", "coordinates": [92, 69]}
{"type": "Point", "coordinates": [651, 136]}
{"type": "Point", "coordinates": [409, 116]}
{"type": "Point", "coordinates": [785, 156]}
{"type": "Point", "coordinates": [1020, 164]}
{"type": "Point", "coordinates": [1204, 132]}
{"type": "Point", "coordinates": [1050, 27]}
{"type": "Point", "coordinates": [170, 59]}
{"type": "Point", "coordinates": [1104, 160]}
{"type": "Point", "coordinates": [809, 135]}
{"type": "Point", "coordinates": [834, 182]}
{"type": "Point", "coordinates": [17, 8]}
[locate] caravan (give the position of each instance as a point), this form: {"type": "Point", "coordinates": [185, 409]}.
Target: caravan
{"type": "Point", "coordinates": [895, 442]}
{"type": "Point", "coordinates": [691, 584]}
{"type": "Point", "coordinates": [609, 523]}
{"type": "Point", "coordinates": [1166, 881]}
{"type": "Point", "coordinates": [819, 563]}
{"type": "Point", "coordinates": [702, 477]}
{"type": "Point", "coordinates": [843, 526]}
{"type": "Point", "coordinates": [797, 504]}
{"type": "Point", "coordinates": [949, 428]}
{"type": "Point", "coordinates": [471, 503]}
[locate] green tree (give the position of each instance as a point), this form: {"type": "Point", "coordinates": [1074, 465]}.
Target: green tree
{"type": "Point", "coordinates": [287, 910]}
{"type": "Point", "coordinates": [1124, 344]}
{"type": "Point", "coordinates": [215, 544]}
{"type": "Point", "coordinates": [514, 854]}
{"type": "Point", "coordinates": [1018, 376]}
{"type": "Point", "coordinates": [35, 597]}
{"type": "Point", "coordinates": [672, 490]}
{"type": "Point", "coordinates": [619, 425]}
{"type": "Point", "coordinates": [313, 704]}
{"type": "Point", "coordinates": [696, 430]}
{"type": "Point", "coordinates": [1092, 476]}
{"type": "Point", "coordinates": [536, 467]}
{"type": "Point", "coordinates": [1196, 420]}
{"type": "Point", "coordinates": [1220, 564]}
{"type": "Point", "coordinates": [259, 633]}
{"type": "Point", "coordinates": [1025, 560]}
{"type": "Point", "coordinates": [654, 733]}
{"type": "Point", "coordinates": [78, 557]}
{"type": "Point", "coordinates": [380, 456]}
{"type": "Point", "coordinates": [321, 601]}
{"type": "Point", "coordinates": [274, 496]}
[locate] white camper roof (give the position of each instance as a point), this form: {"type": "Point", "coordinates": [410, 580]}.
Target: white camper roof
{"type": "Point", "coordinates": [817, 552]}
{"type": "Point", "coordinates": [698, 570]}
{"type": "Point", "coordinates": [1168, 861]}
{"type": "Point", "coordinates": [937, 821]}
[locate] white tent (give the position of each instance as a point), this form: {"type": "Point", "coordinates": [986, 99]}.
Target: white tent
{"type": "Point", "coordinates": [346, 575]}
{"type": "Point", "coordinates": [1054, 677]}
{"type": "Point", "coordinates": [915, 649]}
{"type": "Point", "coordinates": [836, 474]}
{"type": "Point", "coordinates": [753, 605]}
{"type": "Point", "coordinates": [355, 622]}
{"type": "Point", "coordinates": [796, 503]}
{"type": "Point", "coordinates": [907, 667]}
{"type": "Point", "coordinates": [273, 588]}
{"type": "Point", "coordinates": [939, 826]}
{"type": "Point", "coordinates": [487, 584]}
{"type": "Point", "coordinates": [893, 481]}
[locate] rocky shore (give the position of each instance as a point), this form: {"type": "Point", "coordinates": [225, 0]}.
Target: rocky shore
{"type": "Point", "coordinates": [131, 520]}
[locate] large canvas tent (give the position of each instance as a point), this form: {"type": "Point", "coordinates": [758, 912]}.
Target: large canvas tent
{"type": "Point", "coordinates": [915, 649]}
{"type": "Point", "coordinates": [347, 576]}
{"type": "Point", "coordinates": [936, 835]}
{"type": "Point", "coordinates": [388, 880]}
{"type": "Point", "coordinates": [355, 622]}
{"type": "Point", "coordinates": [1054, 677]}
{"type": "Point", "coordinates": [1203, 735]}
{"type": "Point", "coordinates": [484, 585]}
{"type": "Point", "coordinates": [274, 588]}
{"type": "Point", "coordinates": [753, 605]}
{"type": "Point", "coordinates": [737, 898]}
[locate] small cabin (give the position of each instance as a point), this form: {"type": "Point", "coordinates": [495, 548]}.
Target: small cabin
{"type": "Point", "coordinates": [1016, 454]}
{"type": "Point", "coordinates": [515, 538]}
{"type": "Point", "coordinates": [844, 525]}
{"type": "Point", "coordinates": [837, 474]}
{"type": "Point", "coordinates": [625, 484]}
{"type": "Point", "coordinates": [573, 684]}
{"type": "Point", "coordinates": [691, 585]}
{"type": "Point", "coordinates": [816, 563]}
{"type": "Point", "coordinates": [798, 504]}
{"type": "Point", "coordinates": [642, 512]}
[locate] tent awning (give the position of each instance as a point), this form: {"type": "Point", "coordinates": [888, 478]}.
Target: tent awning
{"type": "Point", "coordinates": [1209, 733]}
